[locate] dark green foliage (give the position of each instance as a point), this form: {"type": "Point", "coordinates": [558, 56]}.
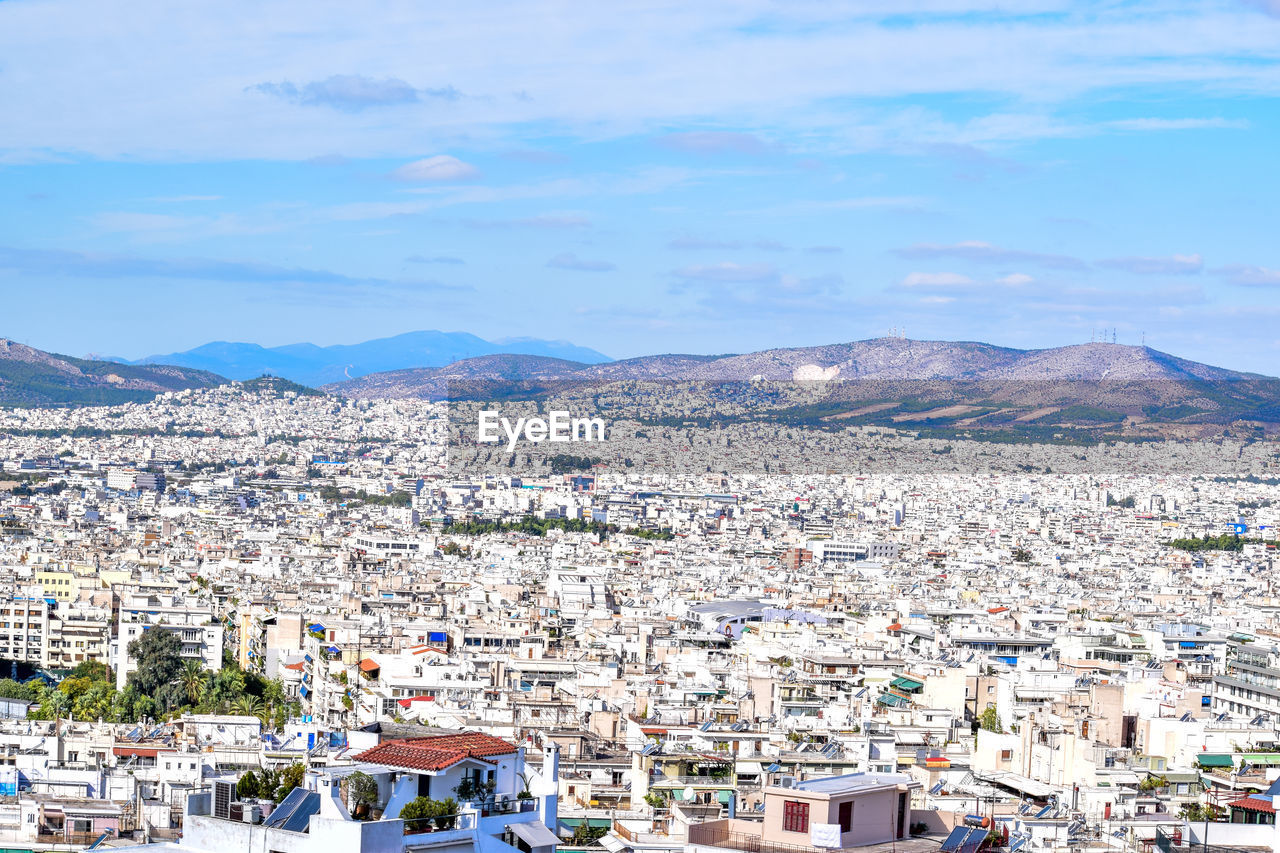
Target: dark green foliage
{"type": "Point", "coordinates": [1222, 542]}
{"type": "Point", "coordinates": [24, 383]}
{"type": "Point", "coordinates": [159, 656]}
{"type": "Point", "coordinates": [567, 463]}
{"type": "Point", "coordinates": [249, 786]}
{"type": "Point", "coordinates": [277, 387]}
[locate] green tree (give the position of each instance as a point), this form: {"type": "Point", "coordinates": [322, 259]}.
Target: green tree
{"type": "Point", "coordinates": [362, 791]}
{"type": "Point", "coordinates": [245, 705]}
{"type": "Point", "coordinates": [990, 721]}
{"type": "Point", "coordinates": [291, 777]}
{"type": "Point", "coordinates": [193, 681]}
{"type": "Point", "coordinates": [227, 686]}
{"type": "Point", "coordinates": [417, 812]}
{"type": "Point", "coordinates": [159, 656]}
{"type": "Point", "coordinates": [248, 787]}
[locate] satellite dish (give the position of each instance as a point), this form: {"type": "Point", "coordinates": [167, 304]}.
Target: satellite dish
{"type": "Point", "coordinates": [688, 793]}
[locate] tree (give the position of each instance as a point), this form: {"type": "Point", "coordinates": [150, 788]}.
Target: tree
{"type": "Point", "coordinates": [362, 790]}
{"type": "Point", "coordinates": [290, 778]}
{"type": "Point", "coordinates": [417, 812]}
{"type": "Point", "coordinates": [990, 721]}
{"type": "Point", "coordinates": [248, 787]}
{"type": "Point", "coordinates": [227, 686]}
{"type": "Point", "coordinates": [159, 656]}
{"type": "Point", "coordinates": [193, 681]}
{"type": "Point", "coordinates": [245, 705]}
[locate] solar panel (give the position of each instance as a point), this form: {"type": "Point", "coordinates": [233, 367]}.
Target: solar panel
{"type": "Point", "coordinates": [973, 840]}
{"type": "Point", "coordinates": [936, 789]}
{"type": "Point", "coordinates": [955, 839]}
{"type": "Point", "coordinates": [295, 812]}
{"type": "Point", "coordinates": [1044, 811]}
{"type": "Point", "coordinates": [1017, 845]}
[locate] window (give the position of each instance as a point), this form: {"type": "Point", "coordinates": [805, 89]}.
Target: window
{"type": "Point", "coordinates": [1006, 755]}
{"type": "Point", "coordinates": [795, 816]}
{"type": "Point", "coordinates": [846, 816]}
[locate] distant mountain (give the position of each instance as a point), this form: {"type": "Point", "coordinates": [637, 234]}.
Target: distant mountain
{"type": "Point", "coordinates": [315, 365]}
{"type": "Point", "coordinates": [32, 377]}
{"type": "Point", "coordinates": [878, 359]}
{"type": "Point", "coordinates": [898, 381]}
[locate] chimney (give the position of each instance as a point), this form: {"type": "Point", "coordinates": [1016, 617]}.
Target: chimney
{"type": "Point", "coordinates": [549, 806]}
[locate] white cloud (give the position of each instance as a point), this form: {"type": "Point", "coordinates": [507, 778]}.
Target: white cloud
{"type": "Point", "coordinates": [769, 68]}
{"type": "Point", "coordinates": [936, 279]}
{"type": "Point", "coordinates": [1016, 279]}
{"type": "Point", "coordinates": [440, 168]}
{"type": "Point", "coordinates": [730, 272]}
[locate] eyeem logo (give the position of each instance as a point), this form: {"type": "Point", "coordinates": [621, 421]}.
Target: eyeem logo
{"type": "Point", "coordinates": [559, 427]}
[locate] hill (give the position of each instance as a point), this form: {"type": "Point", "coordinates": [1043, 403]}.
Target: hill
{"type": "Point", "coordinates": [929, 385]}
{"type": "Point", "coordinates": [32, 377]}
{"type": "Point", "coordinates": [313, 365]}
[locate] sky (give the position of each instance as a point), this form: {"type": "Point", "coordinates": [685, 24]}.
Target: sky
{"type": "Point", "coordinates": [642, 177]}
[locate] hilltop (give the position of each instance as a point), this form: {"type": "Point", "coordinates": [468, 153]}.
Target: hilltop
{"type": "Point", "coordinates": [32, 377]}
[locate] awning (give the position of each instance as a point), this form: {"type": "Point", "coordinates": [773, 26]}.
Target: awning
{"type": "Point", "coordinates": [903, 683]}
{"type": "Point", "coordinates": [892, 700]}
{"type": "Point", "coordinates": [612, 843]}
{"type": "Point", "coordinates": [1214, 759]}
{"type": "Point", "coordinates": [1267, 758]}
{"type": "Point", "coordinates": [535, 834]}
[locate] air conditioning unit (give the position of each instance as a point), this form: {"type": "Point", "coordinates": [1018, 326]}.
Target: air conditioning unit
{"type": "Point", "coordinates": [252, 813]}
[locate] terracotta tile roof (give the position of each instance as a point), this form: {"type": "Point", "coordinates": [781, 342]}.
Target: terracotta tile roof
{"type": "Point", "coordinates": [1253, 804]}
{"type": "Point", "coordinates": [369, 665]}
{"type": "Point", "coordinates": [436, 753]}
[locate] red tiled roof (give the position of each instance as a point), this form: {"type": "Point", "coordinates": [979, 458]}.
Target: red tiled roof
{"type": "Point", "coordinates": [299, 666]}
{"type": "Point", "coordinates": [369, 665]}
{"type": "Point", "coordinates": [1253, 804]}
{"type": "Point", "coordinates": [896, 626]}
{"type": "Point", "coordinates": [436, 753]}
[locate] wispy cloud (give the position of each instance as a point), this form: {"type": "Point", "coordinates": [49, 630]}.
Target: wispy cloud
{"type": "Point", "coordinates": [986, 253]}
{"type": "Point", "coordinates": [717, 142]}
{"type": "Point", "coordinates": [57, 262]}
{"type": "Point", "coordinates": [570, 261]}
{"type": "Point", "coordinates": [542, 220]}
{"type": "Point", "coordinates": [812, 206]}
{"type": "Point", "coordinates": [1250, 276]}
{"type": "Point", "coordinates": [434, 259]}
{"type": "Point", "coordinates": [353, 92]}
{"type": "Point", "coordinates": [936, 279]}
{"type": "Point", "coordinates": [436, 169]}
{"type": "Point", "coordinates": [728, 271]}
{"type": "Point", "coordinates": [1175, 265]}
{"type": "Point", "coordinates": [182, 199]}
{"type": "Point", "coordinates": [1180, 124]}
{"type": "Point", "coordinates": [689, 243]}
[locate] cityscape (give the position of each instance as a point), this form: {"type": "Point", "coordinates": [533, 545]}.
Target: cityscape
{"type": "Point", "coordinates": [736, 427]}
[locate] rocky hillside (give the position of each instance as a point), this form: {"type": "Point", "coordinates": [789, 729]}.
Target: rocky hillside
{"type": "Point", "coordinates": [32, 377]}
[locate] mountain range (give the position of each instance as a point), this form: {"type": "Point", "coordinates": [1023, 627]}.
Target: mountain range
{"type": "Point", "coordinates": [877, 359]}
{"type": "Point", "coordinates": [891, 381]}
{"type": "Point", "coordinates": [32, 377]}
{"type": "Point", "coordinates": [313, 365]}
{"type": "Point", "coordinates": [957, 386]}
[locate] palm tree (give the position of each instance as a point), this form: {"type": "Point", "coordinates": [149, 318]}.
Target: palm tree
{"type": "Point", "coordinates": [192, 680]}
{"type": "Point", "coordinates": [245, 705]}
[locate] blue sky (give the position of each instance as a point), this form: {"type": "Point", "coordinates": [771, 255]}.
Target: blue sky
{"type": "Point", "coordinates": [642, 177]}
